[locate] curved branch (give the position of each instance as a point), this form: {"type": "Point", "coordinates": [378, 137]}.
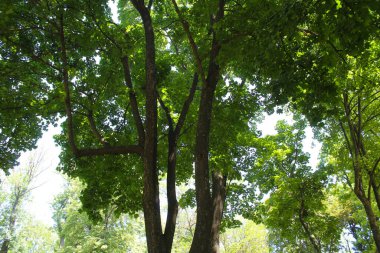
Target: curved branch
{"type": "Point", "coordinates": [131, 149]}
{"type": "Point", "coordinates": [194, 47]}
{"type": "Point", "coordinates": [95, 130]}
{"type": "Point", "coordinates": [167, 112]}
{"type": "Point", "coordinates": [186, 106]}
{"type": "Point", "coordinates": [133, 100]}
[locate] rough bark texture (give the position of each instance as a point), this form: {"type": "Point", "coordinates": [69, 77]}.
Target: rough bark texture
{"type": "Point", "coordinates": [171, 217]}
{"type": "Point", "coordinates": [151, 202]}
{"type": "Point", "coordinates": [207, 226]}
{"type": "Point", "coordinates": [219, 197]}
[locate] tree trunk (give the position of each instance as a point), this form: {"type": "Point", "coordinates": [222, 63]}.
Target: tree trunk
{"type": "Point", "coordinates": [5, 246]}
{"type": "Point", "coordinates": [370, 216]}
{"type": "Point", "coordinates": [202, 241]}
{"type": "Point", "coordinates": [171, 217]}
{"type": "Point", "coordinates": [151, 201]}
{"type": "Point", "coordinates": [202, 234]}
{"type": "Point", "coordinates": [219, 197]}
{"type": "Point", "coordinates": [314, 242]}
{"type": "Point", "coordinates": [207, 224]}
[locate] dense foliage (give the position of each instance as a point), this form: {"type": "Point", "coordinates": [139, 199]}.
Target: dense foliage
{"type": "Point", "coordinates": [173, 91]}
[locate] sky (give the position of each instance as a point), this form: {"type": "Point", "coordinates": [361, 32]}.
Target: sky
{"type": "Point", "coordinates": [49, 182]}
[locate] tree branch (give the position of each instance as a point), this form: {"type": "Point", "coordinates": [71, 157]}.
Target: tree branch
{"type": "Point", "coordinates": [133, 100]}
{"type": "Point", "coordinates": [167, 112]}
{"type": "Point", "coordinates": [194, 47]}
{"type": "Point", "coordinates": [114, 150]}
{"type": "Point", "coordinates": [94, 129]}
{"type": "Point", "coordinates": [186, 106]}
{"type": "Point", "coordinates": [131, 149]}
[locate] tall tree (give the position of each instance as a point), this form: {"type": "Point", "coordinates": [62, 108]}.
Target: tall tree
{"type": "Point", "coordinates": [107, 79]}
{"type": "Point", "coordinates": [82, 57]}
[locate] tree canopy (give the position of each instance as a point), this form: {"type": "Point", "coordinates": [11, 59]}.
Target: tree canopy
{"type": "Point", "coordinates": [175, 91]}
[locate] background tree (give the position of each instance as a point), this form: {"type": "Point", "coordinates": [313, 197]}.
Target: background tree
{"type": "Point", "coordinates": [250, 237]}
{"type": "Point", "coordinates": [77, 233]}
{"type": "Point", "coordinates": [294, 211]}
{"type": "Point", "coordinates": [16, 190]}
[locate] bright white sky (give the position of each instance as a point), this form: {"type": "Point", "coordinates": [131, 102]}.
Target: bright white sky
{"type": "Point", "coordinates": [50, 181]}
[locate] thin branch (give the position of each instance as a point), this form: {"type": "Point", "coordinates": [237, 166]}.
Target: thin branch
{"type": "Point", "coordinates": [186, 106]}
{"type": "Point", "coordinates": [348, 181]}
{"type": "Point", "coordinates": [66, 88]}
{"type": "Point", "coordinates": [114, 150]}
{"type": "Point", "coordinates": [94, 129]}
{"type": "Point", "coordinates": [167, 112]}
{"type": "Point", "coordinates": [133, 100]}
{"type": "Point", "coordinates": [346, 138]}
{"type": "Point", "coordinates": [193, 45]}
{"type": "Point", "coordinates": [150, 4]}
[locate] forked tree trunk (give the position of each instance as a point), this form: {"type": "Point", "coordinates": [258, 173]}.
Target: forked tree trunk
{"type": "Point", "coordinates": [371, 217]}
{"type": "Point", "coordinates": [209, 204]}
{"type": "Point", "coordinates": [355, 143]}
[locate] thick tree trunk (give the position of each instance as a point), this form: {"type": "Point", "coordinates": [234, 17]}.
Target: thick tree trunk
{"type": "Point", "coordinates": [202, 234]}
{"type": "Point", "coordinates": [207, 224]}
{"type": "Point", "coordinates": [171, 217]}
{"type": "Point", "coordinates": [151, 201]}
{"type": "Point", "coordinates": [202, 241]}
{"type": "Point", "coordinates": [219, 197]}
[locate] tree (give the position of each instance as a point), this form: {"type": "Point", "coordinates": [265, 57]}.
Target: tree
{"type": "Point", "coordinates": [16, 188]}
{"type": "Point", "coordinates": [77, 233]}
{"type": "Point", "coordinates": [98, 124]}
{"type": "Point", "coordinates": [250, 237]}
{"type": "Point", "coordinates": [34, 237]}
{"type": "Point", "coordinates": [294, 211]}
{"type": "Point", "coordinates": [324, 67]}
{"type": "Point", "coordinates": [107, 80]}
{"type": "Point", "coordinates": [344, 206]}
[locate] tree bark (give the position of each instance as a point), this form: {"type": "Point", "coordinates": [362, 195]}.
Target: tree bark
{"type": "Point", "coordinates": [173, 135]}
{"type": "Point", "coordinates": [5, 246]}
{"type": "Point", "coordinates": [370, 216]}
{"type": "Point", "coordinates": [202, 235]}
{"type": "Point", "coordinates": [357, 152]}
{"type": "Point", "coordinates": [171, 217]}
{"type": "Point", "coordinates": [151, 201]}
{"type": "Point", "coordinates": [206, 233]}
{"type": "Point", "coordinates": [219, 197]}
{"type": "Point", "coordinates": [312, 239]}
